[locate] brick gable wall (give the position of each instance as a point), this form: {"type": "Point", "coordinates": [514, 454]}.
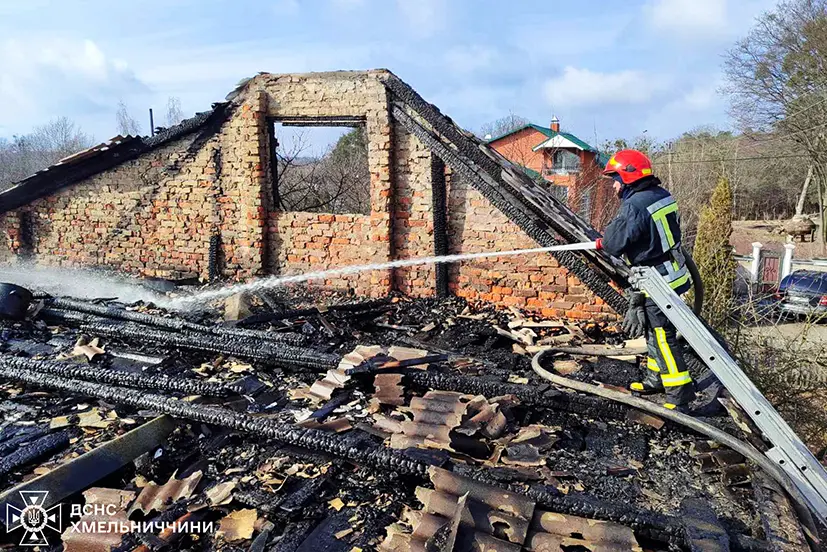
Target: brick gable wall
{"type": "Point", "coordinates": [155, 215]}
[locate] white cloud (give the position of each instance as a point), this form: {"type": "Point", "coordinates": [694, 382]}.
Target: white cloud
{"type": "Point", "coordinates": [700, 105]}
{"type": "Point", "coordinates": [49, 77]}
{"type": "Point", "coordinates": [689, 18]}
{"type": "Point", "coordinates": [584, 87]}
{"type": "Point", "coordinates": [701, 98]}
{"type": "Point", "coordinates": [424, 17]}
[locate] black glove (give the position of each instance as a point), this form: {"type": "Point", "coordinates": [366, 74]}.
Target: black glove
{"type": "Point", "coordinates": [634, 323]}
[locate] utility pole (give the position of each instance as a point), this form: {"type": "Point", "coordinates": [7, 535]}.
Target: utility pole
{"type": "Point", "coordinates": [671, 144]}
{"type": "Point", "coordinates": [151, 123]}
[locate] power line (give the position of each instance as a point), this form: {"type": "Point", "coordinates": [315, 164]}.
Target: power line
{"type": "Point", "coordinates": [750, 141]}
{"type": "Point", "coordinates": [713, 141]}
{"type": "Point", "coordinates": [736, 159]}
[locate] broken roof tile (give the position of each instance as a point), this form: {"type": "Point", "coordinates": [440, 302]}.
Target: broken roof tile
{"type": "Point", "coordinates": [157, 498]}
{"type": "Point", "coordinates": [94, 541]}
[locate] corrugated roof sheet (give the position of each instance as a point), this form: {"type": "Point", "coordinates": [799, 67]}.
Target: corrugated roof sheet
{"type": "Point", "coordinates": [495, 519]}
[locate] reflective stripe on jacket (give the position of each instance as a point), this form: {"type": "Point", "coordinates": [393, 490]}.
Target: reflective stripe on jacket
{"type": "Point", "coordinates": [647, 232]}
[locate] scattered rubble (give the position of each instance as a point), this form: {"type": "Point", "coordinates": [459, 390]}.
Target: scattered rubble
{"type": "Point", "coordinates": [354, 434]}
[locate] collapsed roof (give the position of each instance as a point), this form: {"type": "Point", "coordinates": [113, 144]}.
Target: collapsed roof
{"type": "Point", "coordinates": [359, 426]}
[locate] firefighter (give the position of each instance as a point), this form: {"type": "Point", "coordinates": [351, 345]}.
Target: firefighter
{"type": "Point", "coordinates": [647, 232]}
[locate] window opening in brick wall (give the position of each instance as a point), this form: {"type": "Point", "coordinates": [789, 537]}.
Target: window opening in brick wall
{"type": "Point", "coordinates": [322, 166]}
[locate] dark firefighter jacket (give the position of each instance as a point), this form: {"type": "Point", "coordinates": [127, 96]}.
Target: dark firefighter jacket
{"type": "Point", "coordinates": [647, 232]}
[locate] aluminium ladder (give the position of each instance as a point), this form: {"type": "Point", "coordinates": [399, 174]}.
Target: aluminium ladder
{"type": "Point", "coordinates": [787, 451]}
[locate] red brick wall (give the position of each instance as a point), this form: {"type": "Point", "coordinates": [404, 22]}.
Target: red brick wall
{"type": "Point", "coordinates": [309, 242]}
{"type": "Point", "coordinates": [154, 216]}
{"type": "Point", "coordinates": [535, 282]}
{"type": "Point", "coordinates": [413, 221]}
{"type": "Point", "coordinates": [517, 148]}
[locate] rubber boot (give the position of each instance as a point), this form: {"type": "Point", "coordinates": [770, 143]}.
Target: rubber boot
{"type": "Point", "coordinates": [678, 398]}
{"type": "Point", "coordinates": [682, 408]}
{"type": "Point", "coordinates": [650, 385]}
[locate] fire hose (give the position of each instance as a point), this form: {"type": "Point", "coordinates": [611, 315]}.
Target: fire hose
{"type": "Point", "coordinates": [744, 449]}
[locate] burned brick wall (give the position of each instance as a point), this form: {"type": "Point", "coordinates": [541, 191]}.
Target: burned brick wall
{"type": "Point", "coordinates": [535, 282]}
{"type": "Point", "coordinates": [298, 241]}
{"type": "Point", "coordinates": [304, 242]}
{"type": "Point", "coordinates": [134, 217]}
{"type": "Point", "coordinates": [156, 215]}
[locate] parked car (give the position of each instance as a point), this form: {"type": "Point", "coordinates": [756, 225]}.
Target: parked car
{"type": "Point", "coordinates": [803, 293]}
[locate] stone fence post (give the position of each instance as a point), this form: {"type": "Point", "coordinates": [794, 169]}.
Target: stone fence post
{"type": "Point", "coordinates": [755, 270]}
{"type": "Point", "coordinates": [787, 261]}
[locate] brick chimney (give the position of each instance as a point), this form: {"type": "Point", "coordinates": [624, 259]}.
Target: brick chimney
{"type": "Point", "coordinates": [555, 124]}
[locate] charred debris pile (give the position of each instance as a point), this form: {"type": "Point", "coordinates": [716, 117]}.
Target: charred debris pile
{"type": "Point", "coordinates": [392, 425]}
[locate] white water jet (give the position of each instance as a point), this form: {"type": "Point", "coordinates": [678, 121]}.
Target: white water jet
{"type": "Point", "coordinates": [270, 282]}
{"type": "Point", "coordinates": [82, 283]}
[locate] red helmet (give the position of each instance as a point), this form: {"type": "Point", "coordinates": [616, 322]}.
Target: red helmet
{"type": "Point", "coordinates": [631, 165]}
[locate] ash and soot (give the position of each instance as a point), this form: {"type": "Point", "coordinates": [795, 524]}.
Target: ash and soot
{"type": "Point", "coordinates": [300, 420]}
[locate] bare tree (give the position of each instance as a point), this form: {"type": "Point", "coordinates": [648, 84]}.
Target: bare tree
{"type": "Point", "coordinates": [778, 81]}
{"type": "Point", "coordinates": [503, 125]}
{"type": "Point", "coordinates": [44, 146]}
{"type": "Point", "coordinates": [174, 113]}
{"type": "Point", "coordinates": [336, 182]}
{"type": "Point", "coordinates": [127, 125]}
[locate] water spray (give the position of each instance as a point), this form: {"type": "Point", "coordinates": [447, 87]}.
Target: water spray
{"type": "Point", "coordinates": [279, 281]}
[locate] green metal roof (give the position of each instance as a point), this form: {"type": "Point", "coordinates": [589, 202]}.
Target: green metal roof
{"type": "Point", "coordinates": [531, 172]}
{"type": "Point", "coordinates": [549, 134]}
{"type": "Point", "coordinates": [547, 131]}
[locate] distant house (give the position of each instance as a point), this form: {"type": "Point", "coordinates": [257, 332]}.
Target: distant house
{"type": "Point", "coordinates": [570, 166]}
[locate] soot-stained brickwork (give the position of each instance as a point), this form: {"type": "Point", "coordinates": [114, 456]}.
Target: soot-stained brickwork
{"type": "Point", "coordinates": [156, 213]}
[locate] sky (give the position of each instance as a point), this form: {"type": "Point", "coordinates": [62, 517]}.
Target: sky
{"type": "Point", "coordinates": [606, 68]}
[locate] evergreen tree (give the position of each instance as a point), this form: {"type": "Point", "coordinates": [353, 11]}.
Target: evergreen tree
{"type": "Point", "coordinates": [713, 255]}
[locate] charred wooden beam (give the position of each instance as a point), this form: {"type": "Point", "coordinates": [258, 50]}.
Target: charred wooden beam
{"type": "Point", "coordinates": [243, 347]}
{"type": "Point", "coordinates": [778, 520]}
{"type": "Point", "coordinates": [439, 204]}
{"type": "Point", "coordinates": [704, 532]}
{"type": "Point", "coordinates": [126, 379]}
{"type": "Point", "coordinates": [315, 311]}
{"type": "Point", "coordinates": [77, 474]}
{"type": "Point", "coordinates": [293, 536]}
{"type": "Point", "coordinates": [175, 324]}
{"type": "Point", "coordinates": [24, 435]}
{"type": "Point", "coordinates": [540, 396]}
{"type": "Point", "coordinates": [214, 258]}
{"type": "Point", "coordinates": [30, 452]}
{"type": "Point", "coordinates": [348, 447]}
{"type": "Point", "coordinates": [308, 491]}
{"type": "Point", "coordinates": [502, 198]}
